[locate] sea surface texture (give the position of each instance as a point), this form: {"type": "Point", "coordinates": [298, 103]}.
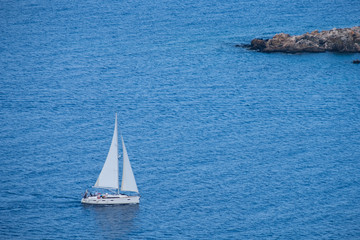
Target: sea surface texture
{"type": "Point", "coordinates": [225, 143]}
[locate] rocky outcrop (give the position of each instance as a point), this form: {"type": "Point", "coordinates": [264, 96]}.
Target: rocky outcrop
{"type": "Point", "coordinates": [345, 40]}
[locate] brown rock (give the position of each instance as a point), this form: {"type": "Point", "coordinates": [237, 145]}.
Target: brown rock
{"type": "Point", "coordinates": [345, 40]}
{"type": "Point", "coordinates": [258, 44]}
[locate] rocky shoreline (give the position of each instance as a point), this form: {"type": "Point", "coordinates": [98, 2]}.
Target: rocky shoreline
{"type": "Point", "coordinates": [342, 40]}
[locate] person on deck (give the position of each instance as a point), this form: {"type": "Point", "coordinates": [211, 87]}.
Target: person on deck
{"type": "Point", "coordinates": [86, 193]}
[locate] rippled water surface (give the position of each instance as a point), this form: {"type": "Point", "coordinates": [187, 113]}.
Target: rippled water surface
{"type": "Point", "coordinates": [224, 142]}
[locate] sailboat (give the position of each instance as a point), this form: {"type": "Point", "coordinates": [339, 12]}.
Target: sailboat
{"type": "Point", "coordinates": [109, 178]}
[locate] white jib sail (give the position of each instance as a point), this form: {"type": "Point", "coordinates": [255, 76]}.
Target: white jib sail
{"type": "Point", "coordinates": [128, 180]}
{"type": "Point", "coordinates": [109, 176]}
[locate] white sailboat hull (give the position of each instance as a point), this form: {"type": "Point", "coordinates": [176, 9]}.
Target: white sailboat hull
{"type": "Point", "coordinates": [111, 199]}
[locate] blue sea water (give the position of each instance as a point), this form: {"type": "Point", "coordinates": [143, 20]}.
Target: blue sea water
{"type": "Point", "coordinates": [225, 143]}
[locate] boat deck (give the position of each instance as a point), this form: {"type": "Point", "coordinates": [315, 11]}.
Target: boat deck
{"type": "Point", "coordinates": [111, 199]}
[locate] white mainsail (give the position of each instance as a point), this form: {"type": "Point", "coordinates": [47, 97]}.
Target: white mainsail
{"type": "Point", "coordinates": [109, 176]}
{"type": "Point", "coordinates": [128, 180]}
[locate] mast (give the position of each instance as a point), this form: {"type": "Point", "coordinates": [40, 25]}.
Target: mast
{"type": "Point", "coordinates": [117, 145]}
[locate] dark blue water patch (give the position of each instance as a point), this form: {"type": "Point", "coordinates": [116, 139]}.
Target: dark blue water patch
{"type": "Point", "coordinates": [224, 142]}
